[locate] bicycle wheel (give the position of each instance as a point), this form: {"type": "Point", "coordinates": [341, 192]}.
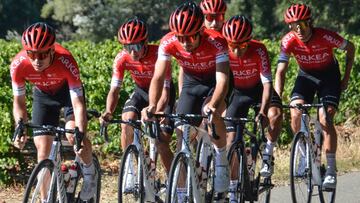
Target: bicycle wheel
{"type": "Point", "coordinates": [300, 174]}
{"type": "Point", "coordinates": [42, 183]}
{"type": "Point", "coordinates": [131, 180]}
{"type": "Point", "coordinates": [237, 166]}
{"type": "Point", "coordinates": [177, 183]}
{"type": "Point", "coordinates": [205, 158]}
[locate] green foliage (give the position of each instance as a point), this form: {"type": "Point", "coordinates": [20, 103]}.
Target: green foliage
{"type": "Point", "coordinates": [95, 62]}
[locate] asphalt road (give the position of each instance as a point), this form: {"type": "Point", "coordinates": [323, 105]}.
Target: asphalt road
{"type": "Point", "coordinates": [348, 190]}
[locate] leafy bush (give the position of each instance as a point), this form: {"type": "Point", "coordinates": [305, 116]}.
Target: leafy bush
{"type": "Point", "coordinates": [95, 62]}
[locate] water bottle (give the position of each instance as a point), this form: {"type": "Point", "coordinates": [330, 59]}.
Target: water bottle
{"type": "Point", "coordinates": [73, 176]}
{"type": "Point", "coordinates": [250, 163]}
{"type": "Point", "coordinates": [65, 172]}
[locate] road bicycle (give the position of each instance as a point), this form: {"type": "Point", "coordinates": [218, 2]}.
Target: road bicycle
{"type": "Point", "coordinates": [186, 174]}
{"type": "Point", "coordinates": [136, 181]}
{"type": "Point", "coordinates": [247, 161]}
{"type": "Point", "coordinates": [46, 181]}
{"type": "Point", "coordinates": [306, 170]}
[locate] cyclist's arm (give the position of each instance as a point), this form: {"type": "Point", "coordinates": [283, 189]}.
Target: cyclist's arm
{"type": "Point", "coordinates": [79, 106]}
{"type": "Point", "coordinates": [180, 79]}
{"type": "Point", "coordinates": [19, 108]}
{"type": "Point", "coordinates": [157, 82]}
{"type": "Point", "coordinates": [164, 99]}
{"type": "Point", "coordinates": [281, 69]}
{"type": "Point", "coordinates": [221, 88]}
{"type": "Point", "coordinates": [112, 99]}
{"type": "Point", "coordinates": [266, 95]}
{"type": "Point", "coordinates": [350, 54]}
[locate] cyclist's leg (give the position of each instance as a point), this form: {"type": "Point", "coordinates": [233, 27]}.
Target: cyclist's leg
{"type": "Point", "coordinates": [329, 93]}
{"type": "Point", "coordinates": [303, 92]}
{"type": "Point", "coordinates": [45, 111]}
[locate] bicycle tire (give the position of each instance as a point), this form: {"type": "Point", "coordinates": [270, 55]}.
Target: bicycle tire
{"type": "Point", "coordinates": [138, 187]}
{"type": "Point", "coordinates": [237, 150]}
{"type": "Point", "coordinates": [209, 167]}
{"type": "Point", "coordinates": [327, 196]}
{"type": "Point", "coordinates": [171, 193]}
{"type": "Point", "coordinates": [33, 181]}
{"type": "Point", "coordinates": [304, 173]}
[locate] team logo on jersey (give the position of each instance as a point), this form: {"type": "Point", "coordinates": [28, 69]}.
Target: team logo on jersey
{"type": "Point", "coordinates": [200, 66]}
{"type": "Point", "coordinates": [264, 60]}
{"type": "Point", "coordinates": [313, 58]}
{"type": "Point", "coordinates": [216, 43]}
{"type": "Point", "coordinates": [285, 41]}
{"type": "Point", "coordinates": [245, 73]}
{"type": "Point", "coordinates": [70, 66]}
{"type": "Point", "coordinates": [143, 74]}
{"type": "Point", "coordinates": [332, 40]}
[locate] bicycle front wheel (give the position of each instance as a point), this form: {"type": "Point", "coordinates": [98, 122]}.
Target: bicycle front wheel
{"type": "Point", "coordinates": [131, 180]}
{"type": "Point", "coordinates": [42, 184]}
{"type": "Point", "coordinates": [178, 182]}
{"type": "Point", "coordinates": [300, 173]}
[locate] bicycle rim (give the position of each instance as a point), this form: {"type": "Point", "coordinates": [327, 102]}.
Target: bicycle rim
{"type": "Point", "coordinates": [130, 180]}
{"type": "Point", "coordinates": [40, 184]}
{"type": "Point", "coordinates": [300, 176]}
{"type": "Point", "coordinates": [237, 172]}
{"type": "Point", "coordinates": [178, 181]}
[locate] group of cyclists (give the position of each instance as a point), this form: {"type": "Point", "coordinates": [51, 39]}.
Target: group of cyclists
{"type": "Point", "coordinates": [223, 71]}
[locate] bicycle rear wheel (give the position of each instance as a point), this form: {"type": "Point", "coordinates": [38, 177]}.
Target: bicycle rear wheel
{"type": "Point", "coordinates": [42, 183]}
{"type": "Point", "coordinates": [178, 181]}
{"type": "Point", "coordinates": [237, 165]}
{"type": "Point", "coordinates": [301, 184]}
{"type": "Point", "coordinates": [131, 180]}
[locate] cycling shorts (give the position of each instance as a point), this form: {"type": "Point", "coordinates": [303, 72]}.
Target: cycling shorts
{"type": "Point", "coordinates": [139, 99]}
{"type": "Point", "coordinates": [46, 108]}
{"type": "Point", "coordinates": [241, 101]}
{"type": "Point", "coordinates": [326, 84]}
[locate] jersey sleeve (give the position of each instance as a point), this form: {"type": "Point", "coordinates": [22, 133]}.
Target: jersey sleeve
{"type": "Point", "coordinates": [265, 65]}
{"type": "Point", "coordinates": [285, 51]}
{"type": "Point", "coordinates": [17, 79]}
{"type": "Point", "coordinates": [164, 48]}
{"type": "Point", "coordinates": [335, 40]}
{"type": "Point", "coordinates": [73, 76]}
{"type": "Point", "coordinates": [118, 70]}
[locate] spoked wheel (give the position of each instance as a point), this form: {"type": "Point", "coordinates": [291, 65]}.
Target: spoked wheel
{"type": "Point", "coordinates": [178, 180]}
{"type": "Point", "coordinates": [301, 184]}
{"type": "Point", "coordinates": [205, 158]}
{"type": "Point", "coordinates": [42, 184]}
{"type": "Point", "coordinates": [237, 167]}
{"type": "Point", "coordinates": [327, 196]}
{"type": "Point", "coordinates": [80, 181]}
{"type": "Point", "coordinates": [131, 180]}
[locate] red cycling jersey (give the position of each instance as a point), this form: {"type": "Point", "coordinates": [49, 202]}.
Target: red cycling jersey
{"type": "Point", "coordinates": [141, 71]}
{"type": "Point", "coordinates": [200, 63]}
{"type": "Point", "coordinates": [314, 55]}
{"type": "Point", "coordinates": [63, 69]}
{"type": "Point", "coordinates": [252, 67]}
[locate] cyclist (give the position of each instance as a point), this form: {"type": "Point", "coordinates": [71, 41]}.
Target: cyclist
{"type": "Point", "coordinates": [138, 57]}
{"type": "Point", "coordinates": [251, 68]}
{"type": "Point", "coordinates": [319, 73]}
{"type": "Point", "coordinates": [214, 12]}
{"type": "Point", "coordinates": [203, 55]}
{"type": "Point", "coordinates": [56, 78]}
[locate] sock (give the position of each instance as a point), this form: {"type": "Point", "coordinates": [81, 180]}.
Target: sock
{"type": "Point", "coordinates": [269, 148]}
{"type": "Point", "coordinates": [89, 169]}
{"type": "Point", "coordinates": [220, 156]}
{"type": "Point", "coordinates": [331, 163]}
{"type": "Point", "coordinates": [181, 192]}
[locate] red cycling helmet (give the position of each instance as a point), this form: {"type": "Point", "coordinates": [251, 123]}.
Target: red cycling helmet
{"type": "Point", "coordinates": [297, 12]}
{"type": "Point", "coordinates": [237, 29]}
{"type": "Point", "coordinates": [38, 37]}
{"type": "Point", "coordinates": [187, 19]}
{"type": "Point", "coordinates": [213, 6]}
{"type": "Point", "coordinates": [132, 32]}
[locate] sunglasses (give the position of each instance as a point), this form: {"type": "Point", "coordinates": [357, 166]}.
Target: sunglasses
{"type": "Point", "coordinates": [189, 38]}
{"type": "Point", "coordinates": [300, 24]}
{"type": "Point", "coordinates": [134, 47]}
{"type": "Point", "coordinates": [216, 17]}
{"type": "Point", "coordinates": [242, 45]}
{"type": "Point", "coordinates": [38, 55]}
